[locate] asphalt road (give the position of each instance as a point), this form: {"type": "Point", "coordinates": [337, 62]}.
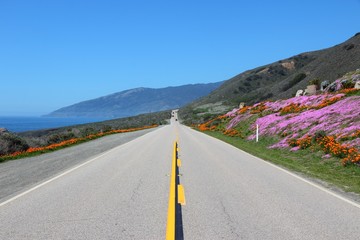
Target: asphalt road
{"type": "Point", "coordinates": [233, 195]}
{"type": "Point", "coordinates": [15, 176]}
{"type": "Point", "coordinates": [123, 194]}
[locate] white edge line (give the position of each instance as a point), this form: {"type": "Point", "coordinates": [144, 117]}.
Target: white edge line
{"type": "Point", "coordinates": [52, 179]}
{"type": "Point", "coordinates": [304, 180]}
{"type": "Point", "coordinates": [64, 173]}
{"type": "Point", "coordinates": [297, 176]}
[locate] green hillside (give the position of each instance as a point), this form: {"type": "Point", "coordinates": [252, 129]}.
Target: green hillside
{"type": "Point", "coordinates": [278, 80]}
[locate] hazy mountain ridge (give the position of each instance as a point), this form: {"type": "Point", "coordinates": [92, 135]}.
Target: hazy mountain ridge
{"type": "Point", "coordinates": [137, 101]}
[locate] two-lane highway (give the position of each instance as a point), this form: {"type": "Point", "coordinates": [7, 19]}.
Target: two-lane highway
{"type": "Point", "coordinates": [123, 194]}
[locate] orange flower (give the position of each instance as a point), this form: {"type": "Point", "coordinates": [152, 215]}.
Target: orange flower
{"type": "Point", "coordinates": [292, 108]}
{"type": "Point", "coordinates": [243, 110]}
{"type": "Point", "coordinates": [327, 102]}
{"type": "Point", "coordinates": [232, 133]}
{"type": "Point", "coordinates": [206, 126]}
{"type": "Point", "coordinates": [349, 90]}
{"type": "Point", "coordinates": [72, 141]}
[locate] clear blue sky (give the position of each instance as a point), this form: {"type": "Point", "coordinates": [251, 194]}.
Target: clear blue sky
{"type": "Point", "coordinates": [54, 53]}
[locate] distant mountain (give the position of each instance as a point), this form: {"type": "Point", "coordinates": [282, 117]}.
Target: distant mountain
{"type": "Point", "coordinates": [137, 101]}
{"type": "Point", "coordinates": [278, 80]}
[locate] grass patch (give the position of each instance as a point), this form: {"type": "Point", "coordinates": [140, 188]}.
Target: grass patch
{"type": "Point", "coordinates": [245, 126]}
{"type": "Point", "coordinates": [307, 162]}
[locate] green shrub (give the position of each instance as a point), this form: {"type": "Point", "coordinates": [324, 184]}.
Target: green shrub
{"type": "Point", "coordinates": [57, 138]}
{"type": "Point", "coordinates": [298, 78]}
{"type": "Point", "coordinates": [319, 135]}
{"type": "Point", "coordinates": [88, 131]}
{"type": "Point", "coordinates": [315, 81]}
{"type": "Point", "coordinates": [10, 143]}
{"type": "Point", "coordinates": [348, 84]}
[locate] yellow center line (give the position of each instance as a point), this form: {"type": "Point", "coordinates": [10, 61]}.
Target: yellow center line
{"type": "Point", "coordinates": [170, 227]}
{"type": "Point", "coordinates": [181, 195]}
{"type": "Point", "coordinates": [175, 190]}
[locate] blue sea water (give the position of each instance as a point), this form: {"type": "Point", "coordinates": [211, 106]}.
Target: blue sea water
{"type": "Point", "coordinates": [22, 124]}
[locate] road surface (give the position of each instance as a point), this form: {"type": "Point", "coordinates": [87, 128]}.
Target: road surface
{"type": "Point", "coordinates": [123, 194]}
{"type": "Point", "coordinates": [24, 173]}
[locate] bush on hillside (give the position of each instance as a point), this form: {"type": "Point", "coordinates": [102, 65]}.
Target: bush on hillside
{"type": "Point", "coordinates": [10, 143]}
{"type": "Point", "coordinates": [294, 81]}
{"type": "Point", "coordinates": [57, 138]}
{"type": "Point", "coordinates": [348, 46]}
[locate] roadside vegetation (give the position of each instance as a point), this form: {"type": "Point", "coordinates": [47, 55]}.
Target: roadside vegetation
{"type": "Point", "coordinates": [25, 144]}
{"type": "Point", "coordinates": [26, 151]}
{"type": "Point", "coordinates": [307, 162]}
{"type": "Point", "coordinates": [277, 80]}
{"type": "Point", "coordinates": [316, 135]}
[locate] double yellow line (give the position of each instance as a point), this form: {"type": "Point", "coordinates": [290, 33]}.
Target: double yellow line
{"type": "Point", "coordinates": [176, 195]}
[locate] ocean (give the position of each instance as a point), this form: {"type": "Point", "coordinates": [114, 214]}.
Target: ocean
{"type": "Point", "coordinates": [22, 124]}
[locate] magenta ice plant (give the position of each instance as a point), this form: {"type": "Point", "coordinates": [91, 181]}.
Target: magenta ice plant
{"type": "Point", "coordinates": [341, 118]}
